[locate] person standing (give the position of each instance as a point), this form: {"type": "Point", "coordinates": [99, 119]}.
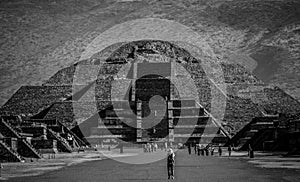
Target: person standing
{"type": "Point", "coordinates": [195, 148]}
{"type": "Point", "coordinates": [189, 148]}
{"type": "Point", "coordinates": [166, 146]}
{"type": "Point", "coordinates": [152, 147]}
{"type": "Point", "coordinates": [202, 150]}
{"type": "Point", "coordinates": [229, 150]}
{"type": "Point", "coordinates": [220, 150]}
{"type": "Point", "coordinates": [121, 148]}
{"type": "Point", "coordinates": [206, 151]}
{"type": "Point", "coordinates": [148, 147]}
{"type": "Point", "coordinates": [171, 163]}
{"type": "Point", "coordinates": [250, 151]}
{"type": "Point", "coordinates": [155, 147]}
{"type": "Point", "coordinates": [212, 149]}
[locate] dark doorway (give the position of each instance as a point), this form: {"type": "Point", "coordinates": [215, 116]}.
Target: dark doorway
{"type": "Point", "coordinates": [151, 85]}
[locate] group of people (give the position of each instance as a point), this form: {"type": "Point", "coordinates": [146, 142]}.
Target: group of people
{"type": "Point", "coordinates": [201, 149]}
{"type": "Point", "coordinates": [229, 149]}
{"type": "Point", "coordinates": [150, 147]}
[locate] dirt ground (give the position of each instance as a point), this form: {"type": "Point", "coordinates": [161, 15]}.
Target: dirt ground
{"type": "Point", "coordinates": [265, 163]}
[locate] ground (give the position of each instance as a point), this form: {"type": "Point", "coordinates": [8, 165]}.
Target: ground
{"type": "Point", "coordinates": [189, 168]}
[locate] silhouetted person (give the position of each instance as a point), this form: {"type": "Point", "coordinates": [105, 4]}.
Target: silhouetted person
{"type": "Point", "coordinates": [212, 149]}
{"type": "Point", "coordinates": [220, 150]}
{"type": "Point", "coordinates": [229, 150]}
{"type": "Point", "coordinates": [202, 150]}
{"type": "Point", "coordinates": [206, 151]}
{"type": "Point", "coordinates": [198, 149]}
{"type": "Point", "coordinates": [189, 149]}
{"type": "Point", "coordinates": [250, 151]}
{"type": "Point", "coordinates": [121, 148]}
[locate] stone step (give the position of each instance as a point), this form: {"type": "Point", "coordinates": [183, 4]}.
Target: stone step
{"type": "Point", "coordinates": [196, 130]}
{"type": "Point", "coordinates": [244, 140]}
{"type": "Point", "coordinates": [60, 141]}
{"type": "Point", "coordinates": [36, 153]}
{"type": "Point", "coordinates": [182, 103]}
{"type": "Point", "coordinates": [190, 120]}
{"type": "Point", "coordinates": [250, 133]}
{"type": "Point", "coordinates": [119, 113]}
{"type": "Point", "coordinates": [16, 156]}
{"type": "Point", "coordinates": [8, 130]}
{"type": "Point", "coordinates": [194, 126]}
{"type": "Point", "coordinates": [261, 126]}
{"type": "Point", "coordinates": [188, 112]}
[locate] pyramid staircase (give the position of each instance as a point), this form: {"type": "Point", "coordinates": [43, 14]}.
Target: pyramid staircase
{"type": "Point", "coordinates": [185, 121]}
{"type": "Point", "coordinates": [27, 150]}
{"type": "Point", "coordinates": [7, 130]}
{"type": "Point", "coordinates": [146, 129]}
{"type": "Point", "coordinates": [189, 122]}
{"type": "Point", "coordinates": [8, 154]}
{"type": "Point", "coordinates": [62, 144]}
{"type": "Point", "coordinates": [54, 124]}
{"type": "Point", "coordinates": [195, 122]}
{"type": "Point", "coordinates": [24, 148]}
{"type": "Point", "coordinates": [78, 141]}
{"type": "Point", "coordinates": [117, 122]}
{"type": "Point", "coordinates": [256, 133]}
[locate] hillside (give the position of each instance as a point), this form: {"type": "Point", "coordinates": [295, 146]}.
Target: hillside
{"type": "Point", "coordinates": [39, 38]}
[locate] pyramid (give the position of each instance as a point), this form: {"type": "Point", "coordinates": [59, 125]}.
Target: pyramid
{"type": "Point", "coordinates": [76, 94]}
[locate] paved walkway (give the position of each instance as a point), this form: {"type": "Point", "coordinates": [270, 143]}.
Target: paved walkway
{"type": "Point", "coordinates": [189, 168]}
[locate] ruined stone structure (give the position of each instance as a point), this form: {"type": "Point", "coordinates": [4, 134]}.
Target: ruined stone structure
{"type": "Point", "coordinates": [15, 144]}
{"type": "Point", "coordinates": [269, 133]}
{"type": "Point", "coordinates": [294, 136]}
{"type": "Point", "coordinates": [29, 138]}
{"type": "Point", "coordinates": [110, 96]}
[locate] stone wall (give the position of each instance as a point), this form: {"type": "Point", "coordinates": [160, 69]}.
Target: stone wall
{"type": "Point", "coordinates": [29, 100]}
{"type": "Point", "coordinates": [62, 111]}
{"type": "Point", "coordinates": [26, 150]}
{"type": "Point", "coordinates": [11, 142]}
{"type": "Point", "coordinates": [280, 102]}
{"type": "Point", "coordinates": [6, 155]}
{"type": "Point", "coordinates": [44, 144]}
{"type": "Point", "coordinates": [239, 112]}
{"type": "Point", "coordinates": [234, 73]}
{"type": "Point", "coordinates": [36, 131]}
{"type": "Point", "coordinates": [103, 89]}
{"type": "Point", "coordinates": [62, 77]}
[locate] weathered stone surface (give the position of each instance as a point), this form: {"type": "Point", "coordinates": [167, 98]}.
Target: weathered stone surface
{"type": "Point", "coordinates": [243, 98]}
{"type": "Point", "coordinates": [29, 100]}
